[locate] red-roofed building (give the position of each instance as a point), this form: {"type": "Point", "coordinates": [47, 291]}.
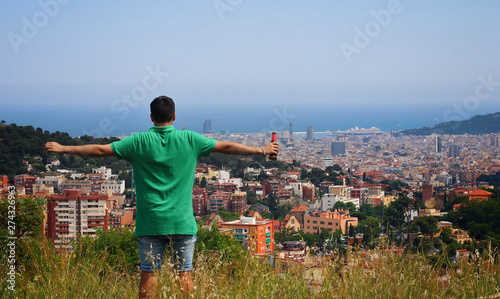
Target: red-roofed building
{"type": "Point", "coordinates": [456, 206]}
{"type": "Point", "coordinates": [479, 195]}
{"type": "Point", "coordinates": [255, 214]}
{"type": "Point", "coordinates": [462, 253]}
{"type": "Point", "coordinates": [291, 223]}
{"type": "Point", "coordinates": [25, 181]}
{"type": "Point", "coordinates": [298, 212]}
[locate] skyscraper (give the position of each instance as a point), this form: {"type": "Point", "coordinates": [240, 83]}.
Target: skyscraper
{"type": "Point", "coordinates": [290, 131]}
{"type": "Point", "coordinates": [454, 151]}
{"type": "Point", "coordinates": [494, 141]}
{"type": "Point", "coordinates": [310, 133]}
{"type": "Point", "coordinates": [338, 148]}
{"type": "Point", "coordinates": [207, 126]}
{"type": "Point", "coordinates": [438, 144]}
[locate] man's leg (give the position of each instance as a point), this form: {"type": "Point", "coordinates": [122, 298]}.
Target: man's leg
{"type": "Point", "coordinates": [151, 250]}
{"type": "Point", "coordinates": [186, 282]}
{"type": "Point", "coordinates": [147, 288]}
{"type": "Point", "coordinates": [183, 246]}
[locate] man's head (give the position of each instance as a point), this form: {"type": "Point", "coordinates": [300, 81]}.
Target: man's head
{"type": "Point", "coordinates": [162, 109]}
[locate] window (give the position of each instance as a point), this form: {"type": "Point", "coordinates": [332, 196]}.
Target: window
{"type": "Point", "coordinates": [315, 221]}
{"type": "Point", "coordinates": [322, 222]}
{"type": "Point", "coordinates": [329, 223]}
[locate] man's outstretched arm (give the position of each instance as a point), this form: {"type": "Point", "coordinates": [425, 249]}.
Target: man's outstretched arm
{"type": "Point", "coordinates": [88, 150]}
{"type": "Point", "coordinates": [235, 148]}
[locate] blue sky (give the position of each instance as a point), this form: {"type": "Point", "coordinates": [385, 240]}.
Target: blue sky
{"type": "Point", "coordinates": [250, 57]}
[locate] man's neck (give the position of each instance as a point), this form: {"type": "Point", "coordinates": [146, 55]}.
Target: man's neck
{"type": "Point", "coordinates": [163, 124]}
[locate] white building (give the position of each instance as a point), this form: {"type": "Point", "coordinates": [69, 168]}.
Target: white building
{"type": "Point", "coordinates": [329, 200]}
{"type": "Point", "coordinates": [51, 181]}
{"type": "Point", "coordinates": [327, 161]}
{"type": "Point", "coordinates": [114, 186]}
{"type": "Point", "coordinates": [295, 188]}
{"type": "Point", "coordinates": [104, 171]}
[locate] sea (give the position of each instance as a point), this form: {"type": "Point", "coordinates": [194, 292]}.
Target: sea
{"type": "Point", "coordinates": [104, 120]}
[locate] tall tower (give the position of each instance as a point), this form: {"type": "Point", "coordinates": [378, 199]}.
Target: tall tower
{"type": "Point", "coordinates": [310, 133]}
{"type": "Point", "coordinates": [207, 126]}
{"type": "Point", "coordinates": [454, 151]}
{"type": "Point", "coordinates": [494, 141]}
{"type": "Point", "coordinates": [290, 131]}
{"type": "Point", "coordinates": [438, 144]}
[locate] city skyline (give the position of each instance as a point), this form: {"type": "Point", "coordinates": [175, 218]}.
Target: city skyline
{"type": "Point", "coordinates": [251, 65]}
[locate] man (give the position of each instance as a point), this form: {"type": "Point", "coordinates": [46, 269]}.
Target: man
{"type": "Point", "coordinates": [164, 161]}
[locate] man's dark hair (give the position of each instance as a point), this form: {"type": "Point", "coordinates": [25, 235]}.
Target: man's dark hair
{"type": "Point", "coordinates": [162, 109]}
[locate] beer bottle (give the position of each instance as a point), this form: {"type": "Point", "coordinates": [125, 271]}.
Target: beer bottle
{"type": "Point", "coordinates": [273, 139]}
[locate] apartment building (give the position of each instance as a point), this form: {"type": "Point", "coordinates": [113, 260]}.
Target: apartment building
{"type": "Point", "coordinates": [83, 185]}
{"type": "Point", "coordinates": [100, 186]}
{"type": "Point", "coordinates": [72, 215]}
{"type": "Point", "coordinates": [25, 181]}
{"type": "Point", "coordinates": [341, 191]}
{"type": "Point", "coordinates": [314, 222]}
{"type": "Point", "coordinates": [51, 181]}
{"type": "Point", "coordinates": [238, 202]}
{"type": "Point", "coordinates": [361, 193]}
{"type": "Point", "coordinates": [218, 201]}
{"type": "Point", "coordinates": [121, 218]}
{"type": "Point", "coordinates": [256, 235]}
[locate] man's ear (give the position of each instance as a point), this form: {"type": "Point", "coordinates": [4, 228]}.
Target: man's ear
{"type": "Point", "coordinates": [173, 118]}
{"type": "Point", "coordinates": [152, 119]}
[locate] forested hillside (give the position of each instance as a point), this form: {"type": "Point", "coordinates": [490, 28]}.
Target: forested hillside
{"type": "Point", "coordinates": [18, 143]}
{"type": "Point", "coordinates": [479, 124]}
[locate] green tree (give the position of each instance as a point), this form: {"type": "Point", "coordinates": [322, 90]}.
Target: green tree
{"type": "Point", "coordinates": [272, 201]}
{"type": "Point", "coordinates": [228, 216]}
{"type": "Point", "coordinates": [211, 239]}
{"type": "Point", "coordinates": [27, 217]}
{"type": "Point", "coordinates": [352, 231]}
{"type": "Point", "coordinates": [427, 225]}
{"type": "Point", "coordinates": [370, 228]}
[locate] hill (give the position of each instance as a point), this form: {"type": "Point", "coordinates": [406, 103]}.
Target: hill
{"type": "Point", "coordinates": [25, 143]}
{"type": "Point", "coordinates": [479, 124]}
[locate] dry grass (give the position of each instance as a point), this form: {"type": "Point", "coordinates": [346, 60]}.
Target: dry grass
{"type": "Point", "coordinates": [375, 275]}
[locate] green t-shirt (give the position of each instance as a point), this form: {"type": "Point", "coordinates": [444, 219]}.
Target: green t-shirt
{"type": "Point", "coordinates": [164, 161]}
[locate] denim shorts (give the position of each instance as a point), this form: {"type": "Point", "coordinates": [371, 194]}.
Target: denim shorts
{"type": "Point", "coordinates": [152, 248]}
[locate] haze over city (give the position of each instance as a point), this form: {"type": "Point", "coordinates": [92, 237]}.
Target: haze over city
{"type": "Point", "coordinates": [93, 67]}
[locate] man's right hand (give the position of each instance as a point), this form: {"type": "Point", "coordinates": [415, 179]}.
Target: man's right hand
{"type": "Point", "coordinates": [272, 148]}
{"type": "Point", "coordinates": [54, 147]}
